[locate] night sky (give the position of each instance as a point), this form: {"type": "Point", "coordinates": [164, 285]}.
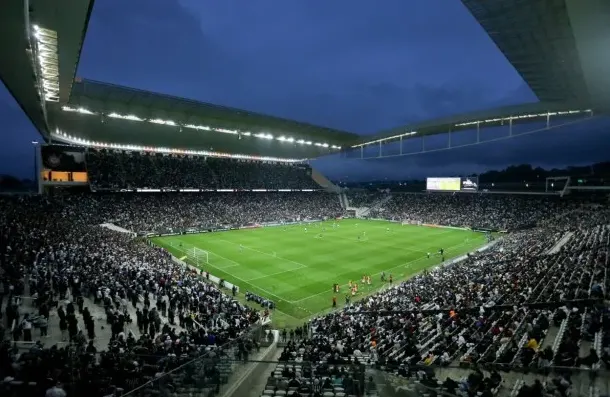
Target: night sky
{"type": "Point", "coordinates": [350, 65]}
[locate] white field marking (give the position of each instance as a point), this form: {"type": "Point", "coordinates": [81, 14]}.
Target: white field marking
{"type": "Point", "coordinates": [241, 279]}
{"type": "Point", "coordinates": [233, 263]}
{"type": "Point", "coordinates": [387, 270]}
{"type": "Point", "coordinates": [246, 282]}
{"type": "Point", "coordinates": [275, 274]}
{"type": "Point", "coordinates": [301, 265]}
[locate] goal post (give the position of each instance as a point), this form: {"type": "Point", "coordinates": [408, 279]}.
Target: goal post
{"type": "Point", "coordinates": [198, 255]}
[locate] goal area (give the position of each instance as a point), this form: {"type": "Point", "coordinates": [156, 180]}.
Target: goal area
{"type": "Point", "coordinates": [198, 255]}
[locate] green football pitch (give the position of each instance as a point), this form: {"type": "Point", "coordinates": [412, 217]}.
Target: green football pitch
{"type": "Point", "coordinates": [297, 268]}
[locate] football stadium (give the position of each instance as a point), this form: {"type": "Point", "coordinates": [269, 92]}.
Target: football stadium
{"type": "Point", "coordinates": [180, 248]}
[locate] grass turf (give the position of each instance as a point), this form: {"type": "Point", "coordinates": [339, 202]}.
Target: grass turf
{"type": "Point", "coordinates": [297, 269]}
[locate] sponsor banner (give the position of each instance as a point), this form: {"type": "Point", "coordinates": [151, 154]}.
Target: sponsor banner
{"type": "Point", "coordinates": [444, 227]}
{"type": "Point", "coordinates": [246, 227]}
{"type": "Point", "coordinates": [487, 230]}
{"type": "Point", "coordinates": [272, 224]}
{"type": "Point", "coordinates": [385, 220]}
{"type": "Point", "coordinates": [275, 224]}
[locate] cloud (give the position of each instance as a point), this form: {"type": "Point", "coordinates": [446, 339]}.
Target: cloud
{"type": "Point", "coordinates": [348, 65]}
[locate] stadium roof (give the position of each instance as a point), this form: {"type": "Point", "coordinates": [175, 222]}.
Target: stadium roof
{"type": "Point", "coordinates": [558, 46]}
{"type": "Point", "coordinates": [18, 63]}
{"type": "Point", "coordinates": [536, 36]}
{"type": "Point", "coordinates": [517, 114]}
{"type": "Point", "coordinates": [109, 113]}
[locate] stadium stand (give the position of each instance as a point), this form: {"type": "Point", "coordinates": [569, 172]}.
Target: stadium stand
{"type": "Point", "coordinates": [66, 268]}
{"type": "Point", "coordinates": [512, 306]}
{"type": "Point", "coordinates": [116, 169]}
{"type": "Point", "coordinates": [122, 315]}
{"type": "Point", "coordinates": [181, 212]}
{"type": "Point", "coordinates": [495, 212]}
{"type": "Point", "coordinates": [360, 198]}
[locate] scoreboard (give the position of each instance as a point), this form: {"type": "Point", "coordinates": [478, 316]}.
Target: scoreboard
{"type": "Point", "coordinates": [62, 164]}
{"type": "Point", "coordinates": [454, 184]}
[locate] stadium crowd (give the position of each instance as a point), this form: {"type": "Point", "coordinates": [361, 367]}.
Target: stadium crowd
{"type": "Point", "coordinates": [521, 303]}
{"type": "Point", "coordinates": [180, 212]}
{"type": "Point", "coordinates": [49, 247]}
{"type": "Point", "coordinates": [510, 304]}
{"type": "Point", "coordinates": [117, 169]}
{"type": "Point", "coordinates": [359, 198]}
{"type": "Point", "coordinates": [488, 211]}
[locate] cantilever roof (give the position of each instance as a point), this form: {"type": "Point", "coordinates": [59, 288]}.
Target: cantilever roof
{"type": "Point", "coordinates": [108, 113]}
{"type": "Point", "coordinates": [69, 18]}
{"type": "Point", "coordinates": [113, 98]}
{"type": "Point", "coordinates": [519, 113]}
{"type": "Point", "coordinates": [558, 46]}
{"type": "Point", "coordinates": [536, 37]}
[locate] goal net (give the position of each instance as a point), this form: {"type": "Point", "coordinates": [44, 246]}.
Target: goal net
{"type": "Point", "coordinates": [199, 256]}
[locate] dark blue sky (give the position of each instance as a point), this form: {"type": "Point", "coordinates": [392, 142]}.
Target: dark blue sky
{"type": "Point", "coordinates": [351, 65]}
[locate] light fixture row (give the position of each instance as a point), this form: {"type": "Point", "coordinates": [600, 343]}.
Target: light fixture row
{"type": "Point", "coordinates": [67, 138]}
{"type": "Point", "coordinates": [523, 117]}
{"type": "Point", "coordinates": [48, 62]}
{"type": "Point", "coordinates": [171, 123]}
{"type": "Point", "coordinates": [479, 122]}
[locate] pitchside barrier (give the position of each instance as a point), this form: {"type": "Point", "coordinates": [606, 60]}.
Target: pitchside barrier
{"type": "Point", "coordinates": [473, 228]}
